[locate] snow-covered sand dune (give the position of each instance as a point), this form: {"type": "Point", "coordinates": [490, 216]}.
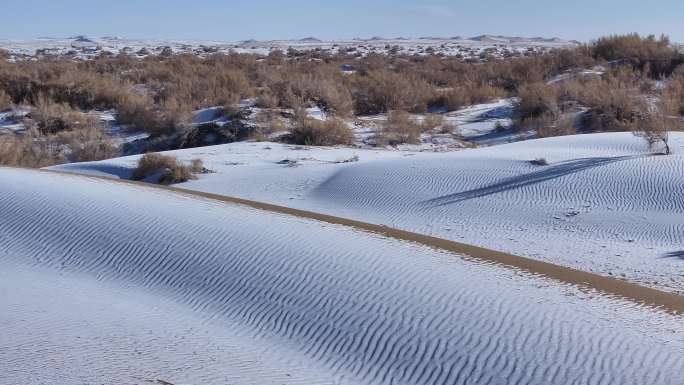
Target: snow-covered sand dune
{"type": "Point", "coordinates": [104, 282]}
{"type": "Point", "coordinates": [603, 204]}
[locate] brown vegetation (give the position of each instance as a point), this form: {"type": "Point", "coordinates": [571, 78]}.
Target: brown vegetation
{"type": "Point", "coordinates": [166, 169]}
{"type": "Point", "coordinates": [654, 56]}
{"type": "Point", "coordinates": [399, 128]}
{"type": "Point", "coordinates": [673, 94]}
{"type": "Point", "coordinates": [538, 105]}
{"type": "Point", "coordinates": [313, 132]}
{"type": "Point", "coordinates": [158, 93]}
{"type": "Point", "coordinates": [29, 150]}
{"type": "Point", "coordinates": [5, 101]}
{"type": "Point", "coordinates": [89, 144]}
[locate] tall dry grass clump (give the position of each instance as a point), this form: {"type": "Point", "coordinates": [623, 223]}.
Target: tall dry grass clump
{"type": "Point", "coordinates": [561, 127]}
{"type": "Point", "coordinates": [468, 94]}
{"type": "Point", "coordinates": [5, 101]}
{"type": "Point", "coordinates": [140, 113]}
{"type": "Point", "coordinates": [90, 143]}
{"type": "Point", "coordinates": [615, 102]}
{"type": "Point", "coordinates": [539, 109]}
{"type": "Point", "coordinates": [656, 56]}
{"type": "Point", "coordinates": [165, 169]}
{"type": "Point", "coordinates": [673, 94]}
{"type": "Point", "coordinates": [399, 128]}
{"type": "Point", "coordinates": [53, 118]}
{"type": "Point", "coordinates": [384, 90]}
{"type": "Point", "coordinates": [30, 150]}
{"type": "Point", "coordinates": [538, 102]}
{"type": "Point", "coordinates": [313, 132]}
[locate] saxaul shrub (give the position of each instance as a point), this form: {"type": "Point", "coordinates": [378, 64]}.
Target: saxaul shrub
{"type": "Point", "coordinates": [314, 132]}
{"type": "Point", "coordinates": [399, 128]}
{"type": "Point", "coordinates": [52, 118]}
{"type": "Point", "coordinates": [5, 101]}
{"type": "Point", "coordinates": [89, 143]}
{"type": "Point", "coordinates": [538, 100]}
{"type": "Point", "coordinates": [30, 150]}
{"type": "Point", "coordinates": [164, 169]}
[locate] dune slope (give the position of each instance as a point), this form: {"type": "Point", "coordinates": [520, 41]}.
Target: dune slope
{"type": "Point", "coordinates": [152, 285]}
{"type": "Point", "coordinates": [602, 204]}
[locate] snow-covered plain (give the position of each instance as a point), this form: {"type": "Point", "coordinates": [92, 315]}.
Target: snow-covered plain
{"type": "Point", "coordinates": [84, 47]}
{"type": "Point", "coordinates": [603, 204]}
{"type": "Point", "coordinates": [111, 283]}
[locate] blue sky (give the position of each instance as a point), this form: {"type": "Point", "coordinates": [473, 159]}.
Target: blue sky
{"type": "Point", "coordinates": [270, 19]}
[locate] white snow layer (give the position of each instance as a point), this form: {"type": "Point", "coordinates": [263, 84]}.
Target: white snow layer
{"type": "Point", "coordinates": [110, 283]}
{"type": "Point", "coordinates": [603, 204]}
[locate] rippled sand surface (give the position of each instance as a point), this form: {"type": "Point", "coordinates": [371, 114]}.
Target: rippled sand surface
{"type": "Point", "coordinates": [103, 282]}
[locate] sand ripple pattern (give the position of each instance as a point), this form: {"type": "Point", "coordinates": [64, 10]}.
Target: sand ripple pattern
{"type": "Point", "coordinates": [602, 204]}
{"type": "Point", "coordinates": [361, 308]}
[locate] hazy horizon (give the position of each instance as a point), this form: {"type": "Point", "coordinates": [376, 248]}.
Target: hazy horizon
{"type": "Point", "coordinates": [581, 20]}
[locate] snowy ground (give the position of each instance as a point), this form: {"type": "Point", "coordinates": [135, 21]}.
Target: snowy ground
{"type": "Point", "coordinates": [602, 204]}
{"type": "Point", "coordinates": [10, 120]}
{"type": "Point", "coordinates": [83, 47]}
{"type": "Point", "coordinates": [108, 283]}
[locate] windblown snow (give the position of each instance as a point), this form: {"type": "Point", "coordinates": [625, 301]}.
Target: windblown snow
{"type": "Point", "coordinates": [602, 204]}
{"type": "Point", "coordinates": [104, 282]}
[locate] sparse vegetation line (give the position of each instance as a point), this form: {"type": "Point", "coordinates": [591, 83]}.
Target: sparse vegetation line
{"type": "Point", "coordinates": [617, 83]}
{"type": "Point", "coordinates": [670, 302]}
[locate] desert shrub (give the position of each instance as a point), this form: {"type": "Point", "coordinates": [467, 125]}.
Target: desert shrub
{"type": "Point", "coordinates": [267, 99]}
{"type": "Point", "coordinates": [167, 168]}
{"type": "Point", "coordinates": [615, 104]}
{"type": "Point", "coordinates": [468, 94]}
{"type": "Point", "coordinates": [156, 93]}
{"type": "Point", "coordinates": [5, 101]}
{"type": "Point", "coordinates": [136, 111]}
{"type": "Point", "coordinates": [540, 162]}
{"type": "Point", "coordinates": [334, 99]}
{"type": "Point", "coordinates": [141, 114]}
{"type": "Point", "coordinates": [673, 94]}
{"type": "Point", "coordinates": [234, 82]}
{"type": "Point", "coordinates": [230, 106]}
{"type": "Point", "coordinates": [197, 166]}
{"type": "Point", "coordinates": [484, 93]}
{"type": "Point", "coordinates": [455, 98]}
{"type": "Point", "coordinates": [321, 85]}
{"type": "Point", "coordinates": [268, 122]}
{"type": "Point", "coordinates": [560, 127]}
{"type": "Point", "coordinates": [654, 129]}
{"type": "Point", "coordinates": [431, 122]}
{"type": "Point", "coordinates": [384, 90]}
{"type": "Point", "coordinates": [655, 125]}
{"type": "Point", "coordinates": [398, 129]}
{"type": "Point", "coordinates": [52, 118]}
{"type": "Point", "coordinates": [538, 100]}
{"type": "Point", "coordinates": [89, 144]}
{"type": "Point", "coordinates": [571, 91]}
{"type": "Point", "coordinates": [619, 112]}
{"type": "Point", "coordinates": [30, 150]}
{"type": "Point", "coordinates": [166, 52]}
{"type": "Point", "coordinates": [313, 132]}
{"type": "Point", "coordinates": [648, 54]}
